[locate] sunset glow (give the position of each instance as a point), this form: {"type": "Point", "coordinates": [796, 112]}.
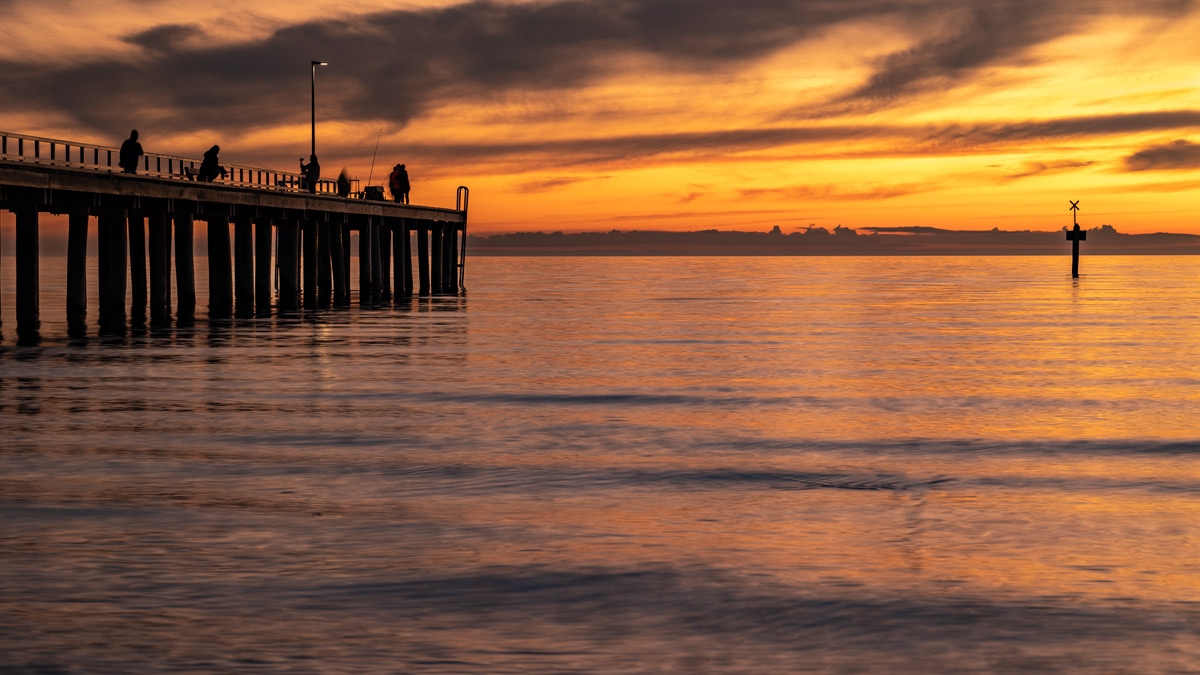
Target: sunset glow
{"type": "Point", "coordinates": [600, 114]}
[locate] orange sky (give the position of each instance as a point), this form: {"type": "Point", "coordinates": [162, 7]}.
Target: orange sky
{"type": "Point", "coordinates": [661, 114]}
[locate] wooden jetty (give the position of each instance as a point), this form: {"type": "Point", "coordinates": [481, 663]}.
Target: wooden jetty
{"type": "Point", "coordinates": [137, 216]}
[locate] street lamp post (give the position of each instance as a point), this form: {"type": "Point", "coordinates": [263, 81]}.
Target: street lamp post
{"type": "Point", "coordinates": [314, 103]}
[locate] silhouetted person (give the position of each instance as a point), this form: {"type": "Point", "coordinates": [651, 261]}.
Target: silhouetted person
{"type": "Point", "coordinates": [311, 172]}
{"type": "Point", "coordinates": [131, 153]}
{"type": "Point", "coordinates": [210, 168]}
{"type": "Point", "coordinates": [394, 184]}
{"type": "Point", "coordinates": [398, 184]}
{"type": "Point", "coordinates": [343, 184]}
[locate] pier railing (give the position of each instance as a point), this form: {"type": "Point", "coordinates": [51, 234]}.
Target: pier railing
{"type": "Point", "coordinates": [72, 154]}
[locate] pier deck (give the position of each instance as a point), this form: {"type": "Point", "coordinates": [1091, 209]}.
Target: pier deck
{"type": "Point", "coordinates": [138, 216]}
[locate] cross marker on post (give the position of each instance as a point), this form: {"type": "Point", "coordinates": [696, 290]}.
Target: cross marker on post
{"type": "Point", "coordinates": [1075, 236]}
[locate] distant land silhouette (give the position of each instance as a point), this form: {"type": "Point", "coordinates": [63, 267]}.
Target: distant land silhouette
{"type": "Point", "coordinates": [1103, 240]}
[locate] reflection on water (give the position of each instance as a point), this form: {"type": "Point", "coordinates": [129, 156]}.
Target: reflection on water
{"type": "Point", "coordinates": [621, 465]}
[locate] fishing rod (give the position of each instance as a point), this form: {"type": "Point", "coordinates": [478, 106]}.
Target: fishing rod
{"type": "Point", "coordinates": [373, 155]}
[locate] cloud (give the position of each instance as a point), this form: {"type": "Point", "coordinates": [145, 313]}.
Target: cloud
{"type": "Point", "coordinates": [1029, 169]}
{"type": "Point", "coordinates": [892, 140]}
{"type": "Point", "coordinates": [398, 65]}
{"type": "Point", "coordinates": [167, 38]}
{"type": "Point", "coordinates": [551, 183]}
{"type": "Point", "coordinates": [395, 65]}
{"type": "Point", "coordinates": [840, 192]}
{"type": "Point", "coordinates": [967, 137]}
{"type": "Point", "coordinates": [972, 35]}
{"type": "Point", "coordinates": [1173, 156]}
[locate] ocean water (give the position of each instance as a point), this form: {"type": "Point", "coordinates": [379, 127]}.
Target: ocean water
{"type": "Point", "coordinates": [622, 465]}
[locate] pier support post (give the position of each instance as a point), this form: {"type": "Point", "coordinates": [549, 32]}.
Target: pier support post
{"type": "Point", "coordinates": [220, 269]}
{"type": "Point", "coordinates": [309, 233]}
{"type": "Point", "coordinates": [376, 261]}
{"type": "Point", "coordinates": [346, 253]}
{"type": "Point", "coordinates": [166, 252]}
{"type": "Point", "coordinates": [160, 269]}
{"type": "Point", "coordinates": [28, 290]}
{"type": "Point", "coordinates": [110, 229]}
{"type": "Point", "coordinates": [436, 257]}
{"type": "Point", "coordinates": [364, 262]}
{"type": "Point", "coordinates": [423, 258]}
{"type": "Point", "coordinates": [77, 234]}
{"type": "Point", "coordinates": [289, 263]}
{"type": "Point", "coordinates": [408, 263]}
{"type": "Point", "coordinates": [263, 267]}
{"type": "Point", "coordinates": [451, 267]}
{"type": "Point", "coordinates": [185, 268]}
{"type": "Point", "coordinates": [385, 261]}
{"type": "Point", "coordinates": [341, 270]}
{"type": "Point", "coordinates": [137, 267]}
{"type": "Point", "coordinates": [402, 254]}
{"type": "Point", "coordinates": [243, 260]}
{"type": "Point", "coordinates": [325, 236]}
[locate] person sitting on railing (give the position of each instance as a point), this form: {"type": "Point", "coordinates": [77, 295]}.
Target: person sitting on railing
{"type": "Point", "coordinates": [131, 153]}
{"type": "Point", "coordinates": [210, 168]}
{"type": "Point", "coordinates": [312, 173]}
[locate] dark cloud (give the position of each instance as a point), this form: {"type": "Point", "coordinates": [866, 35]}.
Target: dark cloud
{"type": "Point", "coordinates": [1029, 169]}
{"type": "Point", "coordinates": [396, 65]}
{"type": "Point", "coordinates": [549, 184]}
{"type": "Point", "coordinates": [1178, 155]}
{"type": "Point", "coordinates": [892, 140]}
{"type": "Point", "coordinates": [978, 135]}
{"type": "Point", "coordinates": [167, 38]}
{"type": "Point", "coordinates": [391, 67]}
{"type": "Point", "coordinates": [983, 32]}
{"type": "Point", "coordinates": [840, 192]}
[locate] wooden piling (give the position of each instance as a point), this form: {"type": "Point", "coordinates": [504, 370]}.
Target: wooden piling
{"type": "Point", "coordinates": [288, 255]}
{"type": "Point", "coordinates": [220, 268]}
{"type": "Point", "coordinates": [160, 269]}
{"type": "Point", "coordinates": [185, 268]}
{"type": "Point", "coordinates": [436, 257]}
{"type": "Point", "coordinates": [402, 254]}
{"type": "Point", "coordinates": [408, 264]}
{"type": "Point", "coordinates": [28, 291]}
{"type": "Point", "coordinates": [423, 258]}
{"type": "Point", "coordinates": [166, 253]}
{"type": "Point", "coordinates": [341, 271]}
{"type": "Point", "coordinates": [77, 235]}
{"type": "Point", "coordinates": [308, 232]}
{"type": "Point", "coordinates": [451, 258]}
{"type": "Point", "coordinates": [385, 261]}
{"type": "Point", "coordinates": [111, 229]}
{"type": "Point", "coordinates": [325, 236]}
{"type": "Point", "coordinates": [364, 263]}
{"type": "Point", "coordinates": [346, 253]}
{"type": "Point", "coordinates": [263, 268]}
{"type": "Point", "coordinates": [137, 267]}
{"type": "Point", "coordinates": [376, 260]}
{"type": "Point", "coordinates": [243, 260]}
{"type": "Point", "coordinates": [444, 242]}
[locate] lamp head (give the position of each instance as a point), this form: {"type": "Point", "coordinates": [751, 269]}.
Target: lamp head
{"type": "Point", "coordinates": [319, 63]}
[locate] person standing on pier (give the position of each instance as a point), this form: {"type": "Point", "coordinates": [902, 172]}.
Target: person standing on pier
{"type": "Point", "coordinates": [131, 153]}
{"type": "Point", "coordinates": [312, 173]}
{"type": "Point", "coordinates": [398, 184]}
{"type": "Point", "coordinates": [210, 168]}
